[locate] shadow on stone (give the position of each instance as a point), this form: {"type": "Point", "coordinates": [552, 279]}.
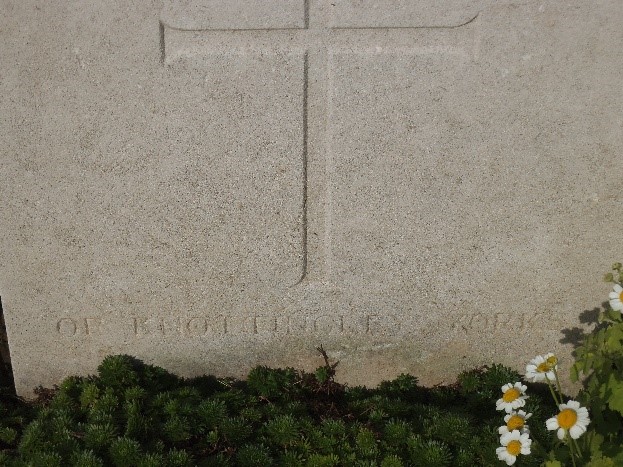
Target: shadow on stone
{"type": "Point", "coordinates": [7, 385]}
{"type": "Point", "coordinates": [575, 336]}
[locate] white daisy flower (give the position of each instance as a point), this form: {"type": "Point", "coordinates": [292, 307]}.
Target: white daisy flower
{"type": "Point", "coordinates": [515, 421]}
{"type": "Point", "coordinates": [572, 418]}
{"type": "Point", "coordinates": [541, 368]}
{"type": "Point", "coordinates": [513, 397]}
{"type": "Point", "coordinates": [513, 444]}
{"type": "Point", "coordinates": [616, 298]}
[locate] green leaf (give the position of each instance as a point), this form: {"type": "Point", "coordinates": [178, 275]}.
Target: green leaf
{"type": "Point", "coordinates": [589, 358]}
{"type": "Point", "coordinates": [601, 462]}
{"type": "Point", "coordinates": [614, 339]}
{"type": "Point", "coordinates": [610, 316]}
{"type": "Point", "coordinates": [614, 389]}
{"type": "Point", "coordinates": [574, 373]}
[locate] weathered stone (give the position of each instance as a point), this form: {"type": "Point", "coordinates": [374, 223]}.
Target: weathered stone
{"type": "Point", "coordinates": [418, 186]}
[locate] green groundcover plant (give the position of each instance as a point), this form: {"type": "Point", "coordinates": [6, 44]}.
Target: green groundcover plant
{"type": "Point", "coordinates": [134, 414]}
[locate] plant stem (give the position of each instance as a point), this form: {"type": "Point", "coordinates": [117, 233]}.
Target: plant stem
{"type": "Point", "coordinates": [570, 443]}
{"type": "Point", "coordinates": [557, 383]}
{"type": "Point", "coordinates": [577, 447]}
{"type": "Point", "coordinates": [551, 389]}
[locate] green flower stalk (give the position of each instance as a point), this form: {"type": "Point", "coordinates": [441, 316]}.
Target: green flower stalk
{"type": "Point", "coordinates": [570, 424]}
{"type": "Point", "coordinates": [572, 420]}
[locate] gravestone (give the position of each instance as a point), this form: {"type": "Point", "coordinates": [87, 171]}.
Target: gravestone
{"type": "Point", "coordinates": [211, 185]}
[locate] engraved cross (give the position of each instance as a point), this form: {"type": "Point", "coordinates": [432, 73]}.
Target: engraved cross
{"type": "Point", "coordinates": [308, 28]}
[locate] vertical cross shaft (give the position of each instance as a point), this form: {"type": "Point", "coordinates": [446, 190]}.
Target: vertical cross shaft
{"type": "Point", "coordinates": [317, 42]}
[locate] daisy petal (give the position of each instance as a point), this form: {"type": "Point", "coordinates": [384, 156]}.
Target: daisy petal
{"type": "Point", "coordinates": [552, 423]}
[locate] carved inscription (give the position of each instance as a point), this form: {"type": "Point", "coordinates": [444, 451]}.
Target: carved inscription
{"type": "Point", "coordinates": [197, 326]}
{"type": "Point", "coordinates": [500, 322]}
{"type": "Point", "coordinates": [373, 325]}
{"type": "Point", "coordinates": [69, 327]}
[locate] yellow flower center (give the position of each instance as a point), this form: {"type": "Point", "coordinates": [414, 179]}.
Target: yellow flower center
{"type": "Point", "coordinates": [515, 423]}
{"type": "Point", "coordinates": [543, 367]}
{"type": "Point", "coordinates": [547, 365]}
{"type": "Point", "coordinates": [567, 418]}
{"type": "Point", "coordinates": [514, 447]}
{"type": "Point", "coordinates": [511, 395]}
{"type": "Point", "coordinates": [621, 296]}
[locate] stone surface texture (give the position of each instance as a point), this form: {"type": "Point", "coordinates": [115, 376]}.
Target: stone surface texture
{"type": "Point", "coordinates": [419, 186]}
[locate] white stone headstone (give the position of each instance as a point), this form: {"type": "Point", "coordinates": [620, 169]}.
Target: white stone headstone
{"type": "Point", "coordinates": [210, 185]}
